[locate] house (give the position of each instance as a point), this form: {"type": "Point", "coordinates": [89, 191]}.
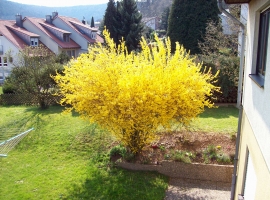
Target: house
{"type": "Point", "coordinates": [57, 33]}
{"type": "Point", "coordinates": [251, 179]}
{"type": "Point", "coordinates": [152, 22]}
{"type": "Point", "coordinates": [56, 39]}
{"type": "Point", "coordinates": [13, 38]}
{"type": "Point", "coordinates": [83, 34]}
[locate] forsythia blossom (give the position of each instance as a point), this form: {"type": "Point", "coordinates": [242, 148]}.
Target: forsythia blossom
{"type": "Point", "coordinates": [131, 95]}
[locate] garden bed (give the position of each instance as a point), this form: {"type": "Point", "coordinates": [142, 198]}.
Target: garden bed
{"type": "Point", "coordinates": [191, 155]}
{"type": "Point", "coordinates": [190, 147]}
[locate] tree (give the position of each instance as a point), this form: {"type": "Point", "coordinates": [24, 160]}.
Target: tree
{"type": "Point", "coordinates": [32, 71]}
{"type": "Point", "coordinates": [92, 22]}
{"type": "Point", "coordinates": [131, 25]}
{"type": "Point", "coordinates": [131, 95]}
{"type": "Point", "coordinates": [165, 18]}
{"type": "Point", "coordinates": [188, 20]}
{"type": "Point", "coordinates": [109, 20]}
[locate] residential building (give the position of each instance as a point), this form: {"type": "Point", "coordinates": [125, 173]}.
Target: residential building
{"type": "Point", "coordinates": [253, 157]}
{"type": "Point", "coordinates": [83, 34]}
{"type": "Point", "coordinates": [13, 38]}
{"type": "Point", "coordinates": [152, 22]}
{"type": "Point", "coordinates": [57, 33]}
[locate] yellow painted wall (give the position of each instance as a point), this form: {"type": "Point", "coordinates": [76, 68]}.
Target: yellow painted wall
{"type": "Point", "coordinates": [249, 141]}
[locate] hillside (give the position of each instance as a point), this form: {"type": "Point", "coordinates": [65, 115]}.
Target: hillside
{"type": "Point", "coordinates": [8, 10]}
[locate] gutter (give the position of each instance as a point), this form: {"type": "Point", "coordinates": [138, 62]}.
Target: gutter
{"type": "Point", "coordinates": [239, 95]}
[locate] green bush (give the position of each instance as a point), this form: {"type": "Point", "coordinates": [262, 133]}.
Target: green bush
{"type": "Point", "coordinates": [228, 66]}
{"type": "Point", "coordinates": [122, 151]}
{"type": "Point", "coordinates": [8, 88]}
{"type": "Point", "coordinates": [183, 156]}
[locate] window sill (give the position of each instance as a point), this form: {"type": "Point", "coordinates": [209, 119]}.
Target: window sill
{"type": "Point", "coordinates": [257, 79]}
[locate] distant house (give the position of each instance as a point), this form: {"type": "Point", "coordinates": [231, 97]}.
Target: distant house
{"type": "Point", "coordinates": [83, 34]}
{"type": "Point", "coordinates": [56, 39]}
{"type": "Point", "coordinates": [57, 33]}
{"type": "Point", "coordinates": [152, 22]}
{"type": "Point", "coordinates": [13, 37]}
{"type": "Point", "coordinates": [252, 175]}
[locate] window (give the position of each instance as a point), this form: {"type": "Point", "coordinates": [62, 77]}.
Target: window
{"type": "Point", "coordinates": [4, 61]}
{"type": "Point", "coordinates": [263, 58]}
{"type": "Point", "coordinates": [66, 38]}
{"type": "Point", "coordinates": [70, 53]}
{"type": "Point", "coordinates": [263, 42]}
{"type": "Point", "coordinates": [1, 49]}
{"type": "Point", "coordinates": [34, 42]}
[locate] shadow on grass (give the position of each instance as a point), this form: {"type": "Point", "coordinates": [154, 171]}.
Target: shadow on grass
{"type": "Point", "coordinates": [120, 184]}
{"type": "Point", "coordinates": [220, 112]}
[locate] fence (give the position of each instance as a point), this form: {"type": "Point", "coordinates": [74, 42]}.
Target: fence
{"type": "Point", "coordinates": [27, 99]}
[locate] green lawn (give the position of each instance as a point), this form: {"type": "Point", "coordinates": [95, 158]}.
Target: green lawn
{"type": "Point", "coordinates": [223, 119]}
{"type": "Point", "coordinates": [67, 158]}
{"type": "Point", "coordinates": [1, 90]}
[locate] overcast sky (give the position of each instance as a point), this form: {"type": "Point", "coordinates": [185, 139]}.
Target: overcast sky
{"type": "Point", "coordinates": [60, 3]}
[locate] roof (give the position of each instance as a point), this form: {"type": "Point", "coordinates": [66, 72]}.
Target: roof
{"type": "Point", "coordinates": [236, 1]}
{"type": "Point", "coordinates": [44, 27]}
{"type": "Point", "coordinates": [8, 29]}
{"type": "Point", "coordinates": [70, 21]}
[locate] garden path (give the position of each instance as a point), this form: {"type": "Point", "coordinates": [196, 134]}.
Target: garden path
{"type": "Point", "coordinates": [187, 189]}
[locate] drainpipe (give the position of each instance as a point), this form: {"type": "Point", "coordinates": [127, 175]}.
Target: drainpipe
{"type": "Point", "coordinates": [239, 94]}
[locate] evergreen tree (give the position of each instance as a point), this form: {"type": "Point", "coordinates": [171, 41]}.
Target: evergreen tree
{"type": "Point", "coordinates": [109, 21]}
{"type": "Point", "coordinates": [188, 20]}
{"type": "Point", "coordinates": [165, 18]}
{"type": "Point", "coordinates": [131, 26]}
{"type": "Point", "coordinates": [92, 22]}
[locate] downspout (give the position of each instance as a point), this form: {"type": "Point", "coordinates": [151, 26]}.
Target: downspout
{"type": "Point", "coordinates": [239, 95]}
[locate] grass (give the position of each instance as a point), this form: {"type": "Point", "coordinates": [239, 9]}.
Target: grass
{"type": "Point", "coordinates": [223, 119]}
{"type": "Point", "coordinates": [66, 158]}
{"type": "Point", "coordinates": [1, 90]}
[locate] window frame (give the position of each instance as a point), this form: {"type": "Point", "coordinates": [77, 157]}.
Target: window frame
{"type": "Point", "coordinates": [263, 40]}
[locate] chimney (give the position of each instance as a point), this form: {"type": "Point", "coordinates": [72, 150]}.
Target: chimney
{"type": "Point", "coordinates": [83, 21]}
{"type": "Point", "coordinates": [49, 19]}
{"type": "Point", "coordinates": [54, 14]}
{"type": "Point", "coordinates": [19, 20]}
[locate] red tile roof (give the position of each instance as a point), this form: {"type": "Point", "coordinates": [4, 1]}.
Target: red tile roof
{"type": "Point", "coordinates": [42, 24]}
{"type": "Point", "coordinates": [71, 21]}
{"type": "Point", "coordinates": [7, 29]}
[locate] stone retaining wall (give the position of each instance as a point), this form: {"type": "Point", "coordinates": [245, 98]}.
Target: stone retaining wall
{"type": "Point", "coordinates": [196, 171]}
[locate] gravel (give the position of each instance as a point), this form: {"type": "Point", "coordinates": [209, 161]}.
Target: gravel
{"type": "Point", "coordinates": [187, 189]}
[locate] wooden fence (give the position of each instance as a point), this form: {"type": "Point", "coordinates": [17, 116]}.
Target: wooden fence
{"type": "Point", "coordinates": [27, 99]}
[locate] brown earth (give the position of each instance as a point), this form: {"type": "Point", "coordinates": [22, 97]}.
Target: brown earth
{"type": "Point", "coordinates": [194, 142]}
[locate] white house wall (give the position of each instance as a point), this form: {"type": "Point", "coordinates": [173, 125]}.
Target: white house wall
{"type": "Point", "coordinates": [8, 47]}
{"type": "Point", "coordinates": [45, 39]}
{"type": "Point", "coordinates": [256, 100]}
{"type": "Point", "coordinates": [74, 34]}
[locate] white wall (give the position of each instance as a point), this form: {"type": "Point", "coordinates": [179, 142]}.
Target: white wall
{"type": "Point", "coordinates": [256, 100]}
{"type": "Point", "coordinates": [7, 47]}
{"type": "Point", "coordinates": [74, 34]}
{"type": "Point", "coordinates": [45, 39]}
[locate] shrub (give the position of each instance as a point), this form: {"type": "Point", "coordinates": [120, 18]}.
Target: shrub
{"type": "Point", "coordinates": [131, 95]}
{"type": "Point", "coordinates": [183, 156]}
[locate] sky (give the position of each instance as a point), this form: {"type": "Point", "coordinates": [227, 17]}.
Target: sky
{"type": "Point", "coordinates": [60, 3]}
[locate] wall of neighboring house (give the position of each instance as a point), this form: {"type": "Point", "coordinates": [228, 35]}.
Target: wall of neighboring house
{"type": "Point", "coordinates": [74, 34]}
{"type": "Point", "coordinates": [255, 171]}
{"type": "Point", "coordinates": [45, 39]}
{"type": "Point", "coordinates": [8, 50]}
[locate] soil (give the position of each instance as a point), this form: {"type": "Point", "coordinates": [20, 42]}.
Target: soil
{"type": "Point", "coordinates": [194, 142]}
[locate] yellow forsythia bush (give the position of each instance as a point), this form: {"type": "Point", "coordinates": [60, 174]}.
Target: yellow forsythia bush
{"type": "Point", "coordinates": [132, 94]}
